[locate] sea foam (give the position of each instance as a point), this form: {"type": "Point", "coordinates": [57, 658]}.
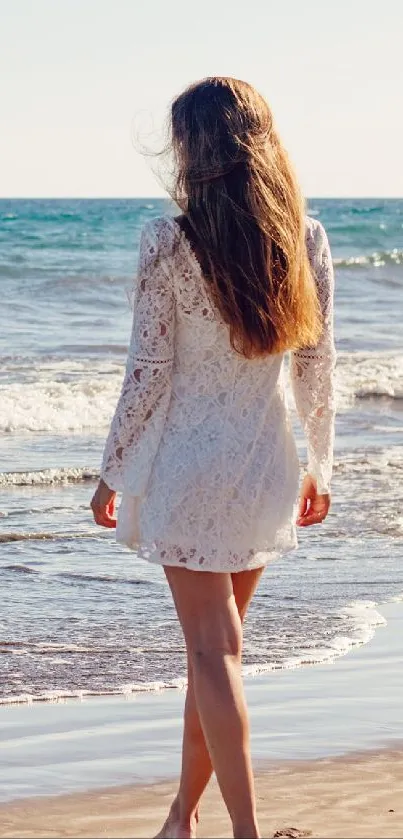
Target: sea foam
{"type": "Point", "coordinates": [81, 396]}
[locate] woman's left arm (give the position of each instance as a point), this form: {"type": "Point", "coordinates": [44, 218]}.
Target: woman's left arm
{"type": "Point", "coordinates": [312, 378]}
{"type": "Point", "coordinates": [146, 389]}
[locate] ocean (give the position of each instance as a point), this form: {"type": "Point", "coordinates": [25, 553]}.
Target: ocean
{"type": "Point", "coordinates": [83, 616]}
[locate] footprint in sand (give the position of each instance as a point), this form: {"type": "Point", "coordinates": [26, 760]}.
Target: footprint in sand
{"type": "Point", "coordinates": [292, 832]}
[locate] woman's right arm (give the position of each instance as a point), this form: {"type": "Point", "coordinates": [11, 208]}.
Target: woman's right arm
{"type": "Point", "coordinates": [146, 389]}
{"type": "Point", "coordinates": [312, 370]}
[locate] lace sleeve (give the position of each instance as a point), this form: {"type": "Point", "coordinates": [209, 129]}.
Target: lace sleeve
{"type": "Point", "coordinates": [146, 389]}
{"type": "Point", "coordinates": [312, 369]}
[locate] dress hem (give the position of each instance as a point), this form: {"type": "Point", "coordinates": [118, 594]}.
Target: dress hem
{"type": "Point", "coordinates": [261, 558]}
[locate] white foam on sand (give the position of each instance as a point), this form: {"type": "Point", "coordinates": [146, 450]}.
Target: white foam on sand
{"type": "Point", "coordinates": [62, 696]}
{"type": "Point", "coordinates": [362, 615]}
{"type": "Point", "coordinates": [364, 618]}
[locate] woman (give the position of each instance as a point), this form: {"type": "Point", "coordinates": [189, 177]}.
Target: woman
{"type": "Point", "coordinates": [201, 442]}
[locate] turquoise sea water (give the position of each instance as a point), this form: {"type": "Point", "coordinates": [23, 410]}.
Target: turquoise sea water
{"type": "Point", "coordinates": [81, 614]}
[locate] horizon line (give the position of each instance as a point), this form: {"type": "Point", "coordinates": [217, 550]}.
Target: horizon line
{"type": "Point", "coordinates": [167, 198]}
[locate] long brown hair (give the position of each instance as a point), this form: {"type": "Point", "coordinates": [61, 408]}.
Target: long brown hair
{"type": "Point", "coordinates": [236, 187]}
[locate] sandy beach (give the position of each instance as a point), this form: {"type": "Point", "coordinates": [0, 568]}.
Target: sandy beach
{"type": "Point", "coordinates": [326, 743]}
{"type": "Point", "coordinates": [341, 798]}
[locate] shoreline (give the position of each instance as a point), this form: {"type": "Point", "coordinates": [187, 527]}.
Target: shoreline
{"type": "Point", "coordinates": [327, 744]}
{"type": "Point", "coordinates": [349, 705]}
{"type": "Point", "coordinates": [359, 637]}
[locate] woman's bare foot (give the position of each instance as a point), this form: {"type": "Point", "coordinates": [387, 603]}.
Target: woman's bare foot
{"type": "Point", "coordinates": [177, 828]}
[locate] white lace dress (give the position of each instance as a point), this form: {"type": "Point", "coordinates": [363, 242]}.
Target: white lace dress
{"type": "Point", "coordinates": [201, 443]}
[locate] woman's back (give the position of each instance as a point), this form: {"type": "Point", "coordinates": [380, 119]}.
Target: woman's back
{"type": "Point", "coordinates": [215, 463]}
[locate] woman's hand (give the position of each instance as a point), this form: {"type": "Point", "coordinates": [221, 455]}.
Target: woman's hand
{"type": "Point", "coordinates": [103, 505]}
{"type": "Point", "coordinates": [313, 508]}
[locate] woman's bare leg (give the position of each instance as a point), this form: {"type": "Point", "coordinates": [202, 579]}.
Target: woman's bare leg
{"type": "Point", "coordinates": [195, 773]}
{"type": "Point", "coordinates": [196, 762]}
{"type": "Point", "coordinates": [214, 659]}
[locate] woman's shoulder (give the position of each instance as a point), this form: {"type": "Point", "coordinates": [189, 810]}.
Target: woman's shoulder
{"type": "Point", "coordinates": [316, 241]}
{"type": "Point", "coordinates": [159, 235]}
{"type": "Point", "coordinates": [315, 230]}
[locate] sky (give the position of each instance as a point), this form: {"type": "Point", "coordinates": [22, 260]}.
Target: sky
{"type": "Point", "coordinates": [75, 75]}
